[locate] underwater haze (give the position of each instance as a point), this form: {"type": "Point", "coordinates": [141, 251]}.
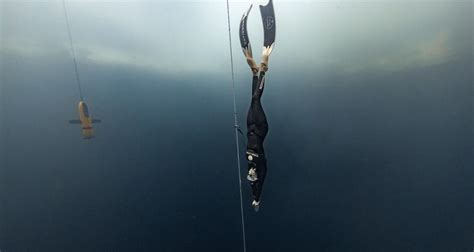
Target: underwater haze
{"type": "Point", "coordinates": [370, 111]}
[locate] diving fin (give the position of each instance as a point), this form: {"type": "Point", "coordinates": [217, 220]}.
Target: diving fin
{"type": "Point", "coordinates": [243, 35]}
{"type": "Point", "coordinates": [245, 42]}
{"type": "Point", "coordinates": [269, 32]}
{"type": "Point", "coordinates": [268, 19]}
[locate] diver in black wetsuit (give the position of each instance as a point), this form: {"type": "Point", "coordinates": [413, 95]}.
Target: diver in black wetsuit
{"type": "Point", "coordinates": [257, 128]}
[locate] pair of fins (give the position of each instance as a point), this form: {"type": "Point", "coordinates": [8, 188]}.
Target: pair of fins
{"type": "Point", "coordinates": [269, 30]}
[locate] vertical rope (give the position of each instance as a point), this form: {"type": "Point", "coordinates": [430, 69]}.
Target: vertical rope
{"type": "Point", "coordinates": [72, 50]}
{"type": "Point", "coordinates": [236, 127]}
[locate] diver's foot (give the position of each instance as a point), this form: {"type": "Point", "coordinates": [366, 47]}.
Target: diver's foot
{"type": "Point", "coordinates": [252, 176]}
{"type": "Point", "coordinates": [256, 205]}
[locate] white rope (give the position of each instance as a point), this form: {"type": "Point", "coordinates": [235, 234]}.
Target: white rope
{"type": "Point", "coordinates": [72, 51]}
{"type": "Point", "coordinates": [236, 127]}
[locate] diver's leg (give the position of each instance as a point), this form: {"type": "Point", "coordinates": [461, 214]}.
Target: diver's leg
{"type": "Point", "coordinates": [254, 83]}
{"type": "Point", "coordinates": [258, 89]}
{"type": "Point", "coordinates": [250, 114]}
{"type": "Point", "coordinates": [256, 118]}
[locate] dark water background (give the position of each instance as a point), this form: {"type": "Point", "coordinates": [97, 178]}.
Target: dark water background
{"type": "Point", "coordinates": [380, 162]}
{"type": "Point", "coordinates": [360, 167]}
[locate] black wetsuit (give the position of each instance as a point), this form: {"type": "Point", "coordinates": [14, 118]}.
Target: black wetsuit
{"type": "Point", "coordinates": [257, 128]}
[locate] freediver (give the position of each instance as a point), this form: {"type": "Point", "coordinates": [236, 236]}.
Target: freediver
{"type": "Point", "coordinates": [257, 125]}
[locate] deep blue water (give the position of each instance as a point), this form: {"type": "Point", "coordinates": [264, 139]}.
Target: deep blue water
{"type": "Point", "coordinates": [360, 163]}
{"type": "Point", "coordinates": [377, 160]}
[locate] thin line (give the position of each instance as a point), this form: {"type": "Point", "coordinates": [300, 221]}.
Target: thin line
{"type": "Point", "coordinates": [236, 129]}
{"type": "Point", "coordinates": [73, 52]}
